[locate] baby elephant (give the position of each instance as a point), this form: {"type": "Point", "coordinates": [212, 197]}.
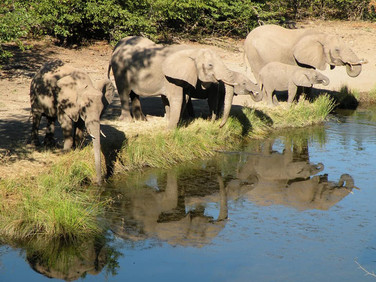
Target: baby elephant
{"type": "Point", "coordinates": [215, 93]}
{"type": "Point", "coordinates": [276, 76]}
{"type": "Point", "coordinates": [61, 92]}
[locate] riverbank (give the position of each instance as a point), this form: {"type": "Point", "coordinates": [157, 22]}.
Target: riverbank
{"type": "Point", "coordinates": [61, 201]}
{"type": "Point", "coordinates": [28, 177]}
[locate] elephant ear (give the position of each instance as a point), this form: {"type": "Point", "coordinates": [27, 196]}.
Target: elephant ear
{"type": "Point", "coordinates": [310, 52]}
{"type": "Point", "coordinates": [67, 99]}
{"type": "Point", "coordinates": [181, 66]}
{"type": "Point", "coordinates": [300, 78]}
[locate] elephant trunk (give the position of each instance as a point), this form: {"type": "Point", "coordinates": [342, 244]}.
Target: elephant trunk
{"type": "Point", "coordinates": [353, 70]}
{"type": "Point", "coordinates": [223, 209]}
{"type": "Point", "coordinates": [94, 130]}
{"type": "Point", "coordinates": [317, 168]}
{"type": "Point", "coordinates": [229, 90]}
{"type": "Point", "coordinates": [324, 80]}
{"type": "Point", "coordinates": [353, 64]}
{"type": "Point", "coordinates": [256, 96]}
{"type": "Point", "coordinates": [347, 180]}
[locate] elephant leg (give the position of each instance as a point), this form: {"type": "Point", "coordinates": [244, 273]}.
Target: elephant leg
{"type": "Point", "coordinates": [166, 105]}
{"type": "Point", "coordinates": [215, 101]}
{"type": "Point", "coordinates": [36, 117]}
{"type": "Point", "coordinates": [49, 140]}
{"type": "Point", "coordinates": [291, 92]}
{"type": "Point", "coordinates": [136, 107]}
{"type": "Point", "coordinates": [175, 97]}
{"type": "Point", "coordinates": [124, 93]}
{"type": "Point", "coordinates": [67, 127]}
{"type": "Point", "coordinates": [78, 133]}
{"type": "Point", "coordinates": [189, 107]}
{"type": "Point", "coordinates": [268, 92]}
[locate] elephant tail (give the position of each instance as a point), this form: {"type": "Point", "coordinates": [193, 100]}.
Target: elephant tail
{"type": "Point", "coordinates": [109, 70]}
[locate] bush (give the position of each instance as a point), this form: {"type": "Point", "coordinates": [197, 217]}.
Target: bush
{"type": "Point", "coordinates": [74, 21]}
{"type": "Point", "coordinates": [15, 23]}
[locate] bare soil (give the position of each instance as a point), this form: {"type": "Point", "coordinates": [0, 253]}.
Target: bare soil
{"type": "Point", "coordinates": [16, 74]}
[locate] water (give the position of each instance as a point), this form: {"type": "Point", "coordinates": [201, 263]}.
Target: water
{"type": "Point", "coordinates": [288, 217]}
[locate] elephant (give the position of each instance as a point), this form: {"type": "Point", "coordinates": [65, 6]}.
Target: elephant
{"type": "Point", "coordinates": [215, 93]}
{"type": "Point", "coordinates": [280, 77]}
{"type": "Point", "coordinates": [303, 47]}
{"type": "Point", "coordinates": [59, 91]}
{"type": "Point", "coordinates": [141, 67]}
{"type": "Point", "coordinates": [289, 179]}
{"type": "Point", "coordinates": [160, 211]}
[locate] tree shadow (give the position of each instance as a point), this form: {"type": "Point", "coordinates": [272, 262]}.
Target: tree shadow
{"type": "Point", "coordinates": [237, 112]}
{"type": "Point", "coordinates": [24, 62]}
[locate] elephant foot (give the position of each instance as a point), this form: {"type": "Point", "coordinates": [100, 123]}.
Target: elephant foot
{"type": "Point", "coordinates": [275, 101]}
{"type": "Point", "coordinates": [33, 143]}
{"type": "Point", "coordinates": [49, 142]}
{"type": "Point", "coordinates": [141, 117]}
{"type": "Point", "coordinates": [126, 118]}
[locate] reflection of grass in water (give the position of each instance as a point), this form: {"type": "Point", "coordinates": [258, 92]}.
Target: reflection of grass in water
{"type": "Point", "coordinates": [70, 261]}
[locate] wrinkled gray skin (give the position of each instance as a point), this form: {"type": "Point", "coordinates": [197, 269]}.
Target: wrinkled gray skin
{"type": "Point", "coordinates": [305, 47]}
{"type": "Point", "coordinates": [215, 94]}
{"type": "Point", "coordinates": [144, 68]}
{"type": "Point", "coordinates": [61, 92]}
{"type": "Point", "coordinates": [280, 77]}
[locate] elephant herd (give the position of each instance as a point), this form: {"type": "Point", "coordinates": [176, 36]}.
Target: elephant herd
{"type": "Point", "coordinates": [280, 59]}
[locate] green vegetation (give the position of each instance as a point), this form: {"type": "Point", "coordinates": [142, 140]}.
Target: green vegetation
{"type": "Point", "coordinates": [79, 20]}
{"type": "Point", "coordinates": [54, 204]}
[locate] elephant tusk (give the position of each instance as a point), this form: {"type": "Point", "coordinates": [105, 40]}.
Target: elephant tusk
{"type": "Point", "coordinates": [360, 62]}
{"type": "Point", "coordinates": [92, 136]}
{"type": "Point", "coordinates": [103, 134]}
{"type": "Point", "coordinates": [225, 81]}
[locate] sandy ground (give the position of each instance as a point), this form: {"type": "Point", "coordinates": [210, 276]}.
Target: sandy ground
{"type": "Point", "coordinates": [15, 77]}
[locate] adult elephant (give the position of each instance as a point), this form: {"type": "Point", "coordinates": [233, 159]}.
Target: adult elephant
{"type": "Point", "coordinates": [163, 213]}
{"type": "Point", "coordinates": [61, 92]}
{"type": "Point", "coordinates": [144, 68]}
{"type": "Point", "coordinates": [303, 47]}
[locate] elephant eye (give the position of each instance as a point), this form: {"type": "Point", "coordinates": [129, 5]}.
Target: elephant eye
{"type": "Point", "coordinates": [210, 65]}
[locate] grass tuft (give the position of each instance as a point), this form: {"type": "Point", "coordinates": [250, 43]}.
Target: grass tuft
{"type": "Point", "coordinates": [53, 204]}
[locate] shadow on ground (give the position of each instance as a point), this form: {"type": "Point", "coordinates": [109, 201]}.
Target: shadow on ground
{"type": "Point", "coordinates": [23, 63]}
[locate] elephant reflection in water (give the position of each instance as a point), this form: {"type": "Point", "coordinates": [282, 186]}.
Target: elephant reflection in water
{"type": "Point", "coordinates": [163, 214]}
{"type": "Point", "coordinates": [273, 178]}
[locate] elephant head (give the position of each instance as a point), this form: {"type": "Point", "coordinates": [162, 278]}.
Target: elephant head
{"type": "Point", "coordinates": [316, 50]}
{"type": "Point", "coordinates": [244, 86]}
{"type": "Point", "coordinates": [79, 99]}
{"type": "Point", "coordinates": [191, 65]}
{"type": "Point", "coordinates": [308, 77]}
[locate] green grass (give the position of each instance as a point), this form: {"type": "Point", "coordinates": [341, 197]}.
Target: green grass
{"type": "Point", "coordinates": [54, 204]}
{"type": "Point", "coordinates": [59, 202]}
{"type": "Point", "coordinates": [202, 138]}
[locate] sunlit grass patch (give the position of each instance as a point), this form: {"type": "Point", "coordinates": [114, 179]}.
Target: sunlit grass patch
{"type": "Point", "coordinates": [300, 114]}
{"type": "Point", "coordinates": [202, 138]}
{"type": "Point", "coordinates": [53, 204]}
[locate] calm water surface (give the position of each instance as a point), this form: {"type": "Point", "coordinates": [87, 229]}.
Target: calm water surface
{"type": "Point", "coordinates": [300, 207]}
